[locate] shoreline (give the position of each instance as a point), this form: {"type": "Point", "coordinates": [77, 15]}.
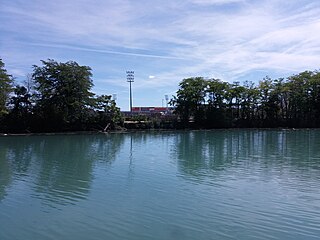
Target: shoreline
{"type": "Point", "coordinates": [144, 130]}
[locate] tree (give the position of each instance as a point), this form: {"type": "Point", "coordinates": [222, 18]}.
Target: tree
{"type": "Point", "coordinates": [237, 93]}
{"type": "Point", "coordinates": [20, 115]}
{"type": "Point", "coordinates": [107, 111]}
{"type": "Point", "coordinates": [299, 97]}
{"type": "Point", "coordinates": [217, 93]}
{"type": "Point", "coordinates": [314, 97]}
{"type": "Point", "coordinates": [21, 100]}
{"type": "Point", "coordinates": [6, 82]}
{"type": "Point", "coordinates": [63, 93]}
{"type": "Point", "coordinates": [190, 98]}
{"type": "Point", "coordinates": [250, 97]}
{"type": "Point", "coordinates": [215, 111]}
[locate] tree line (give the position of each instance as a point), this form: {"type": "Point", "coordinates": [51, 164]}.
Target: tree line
{"type": "Point", "coordinates": [55, 97]}
{"type": "Point", "coordinates": [58, 97]}
{"type": "Point", "coordinates": [211, 103]}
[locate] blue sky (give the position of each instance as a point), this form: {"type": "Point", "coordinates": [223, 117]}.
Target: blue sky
{"type": "Point", "coordinates": [163, 41]}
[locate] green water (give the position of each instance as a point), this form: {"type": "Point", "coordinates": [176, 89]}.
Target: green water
{"type": "Point", "coordinates": [224, 184]}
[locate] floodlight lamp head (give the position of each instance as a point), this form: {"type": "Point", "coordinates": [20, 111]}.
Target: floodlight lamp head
{"type": "Point", "coordinates": [130, 76]}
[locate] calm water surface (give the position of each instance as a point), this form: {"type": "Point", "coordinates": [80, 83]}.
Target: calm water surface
{"type": "Point", "coordinates": [224, 184]}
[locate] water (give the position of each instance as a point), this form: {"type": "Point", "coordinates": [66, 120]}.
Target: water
{"type": "Point", "coordinates": [224, 184]}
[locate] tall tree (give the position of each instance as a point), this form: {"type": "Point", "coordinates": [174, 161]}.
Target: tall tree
{"type": "Point", "coordinates": [314, 97]}
{"type": "Point", "coordinates": [215, 112]}
{"type": "Point", "coordinates": [216, 90]}
{"type": "Point", "coordinates": [190, 98]}
{"type": "Point", "coordinates": [20, 115]}
{"type": "Point", "coordinates": [299, 99]}
{"type": "Point", "coordinates": [64, 92]}
{"type": "Point", "coordinates": [6, 82]}
{"type": "Point", "coordinates": [249, 103]}
{"type": "Point", "coordinates": [108, 112]}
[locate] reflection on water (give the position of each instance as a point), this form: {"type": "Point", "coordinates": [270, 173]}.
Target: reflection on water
{"type": "Point", "coordinates": [295, 151]}
{"type": "Point", "coordinates": [5, 175]}
{"type": "Point", "coordinates": [222, 184]}
{"type": "Point", "coordinates": [59, 166]}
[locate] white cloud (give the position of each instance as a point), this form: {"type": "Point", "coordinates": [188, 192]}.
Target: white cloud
{"type": "Point", "coordinates": [61, 46]}
{"type": "Point", "coordinates": [227, 39]}
{"type": "Point", "coordinates": [215, 2]}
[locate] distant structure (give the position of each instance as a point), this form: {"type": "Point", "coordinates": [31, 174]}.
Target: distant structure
{"type": "Point", "coordinates": [167, 99]}
{"type": "Point", "coordinates": [149, 111]}
{"type": "Point", "coordinates": [130, 79]}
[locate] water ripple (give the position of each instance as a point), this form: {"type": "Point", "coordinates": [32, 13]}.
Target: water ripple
{"type": "Point", "coordinates": [224, 184]}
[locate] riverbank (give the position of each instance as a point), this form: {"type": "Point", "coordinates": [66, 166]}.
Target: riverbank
{"type": "Point", "coordinates": [132, 130]}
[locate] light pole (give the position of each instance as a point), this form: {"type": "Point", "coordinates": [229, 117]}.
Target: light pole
{"type": "Point", "coordinates": [167, 99]}
{"type": "Point", "coordinates": [130, 79]}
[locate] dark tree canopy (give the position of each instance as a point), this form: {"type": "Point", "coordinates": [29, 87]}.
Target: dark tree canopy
{"type": "Point", "coordinates": [63, 91]}
{"type": "Point", "coordinates": [6, 82]}
{"type": "Point", "coordinates": [190, 97]}
{"type": "Point", "coordinates": [57, 97]}
{"type": "Point", "coordinates": [291, 102]}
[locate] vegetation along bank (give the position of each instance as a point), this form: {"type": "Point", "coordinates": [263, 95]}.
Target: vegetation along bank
{"type": "Point", "coordinates": [58, 97]}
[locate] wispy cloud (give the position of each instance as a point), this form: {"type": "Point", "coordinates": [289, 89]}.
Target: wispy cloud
{"type": "Point", "coordinates": [215, 2]}
{"type": "Point", "coordinates": [61, 46]}
{"type": "Point", "coordinates": [227, 39]}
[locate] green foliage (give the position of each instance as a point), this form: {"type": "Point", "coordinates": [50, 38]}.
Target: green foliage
{"type": "Point", "coordinates": [6, 82]}
{"type": "Point", "coordinates": [217, 91]}
{"type": "Point", "coordinates": [58, 97]}
{"type": "Point", "coordinates": [21, 100]}
{"type": "Point", "coordinates": [63, 92]}
{"type": "Point", "coordinates": [190, 98]}
{"type": "Point", "coordinates": [291, 102]}
{"type": "Point", "coordinates": [20, 116]}
{"type": "Point", "coordinates": [108, 110]}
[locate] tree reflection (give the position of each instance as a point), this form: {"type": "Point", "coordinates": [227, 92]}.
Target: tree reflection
{"type": "Point", "coordinates": [5, 175]}
{"type": "Point", "coordinates": [198, 152]}
{"type": "Point", "coordinates": [202, 154]}
{"type": "Point", "coordinates": [14, 160]}
{"type": "Point", "coordinates": [61, 166]}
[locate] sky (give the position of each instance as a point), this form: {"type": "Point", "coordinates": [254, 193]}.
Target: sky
{"type": "Point", "coordinates": [162, 41]}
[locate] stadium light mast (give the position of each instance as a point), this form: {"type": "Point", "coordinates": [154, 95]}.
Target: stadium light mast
{"type": "Point", "coordinates": [167, 99]}
{"type": "Point", "coordinates": [130, 79]}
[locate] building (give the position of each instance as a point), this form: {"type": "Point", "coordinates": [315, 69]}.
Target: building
{"type": "Point", "coordinates": [149, 111]}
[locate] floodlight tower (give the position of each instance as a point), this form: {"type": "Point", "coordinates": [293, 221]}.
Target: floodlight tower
{"type": "Point", "coordinates": [167, 99]}
{"type": "Point", "coordinates": [130, 79]}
